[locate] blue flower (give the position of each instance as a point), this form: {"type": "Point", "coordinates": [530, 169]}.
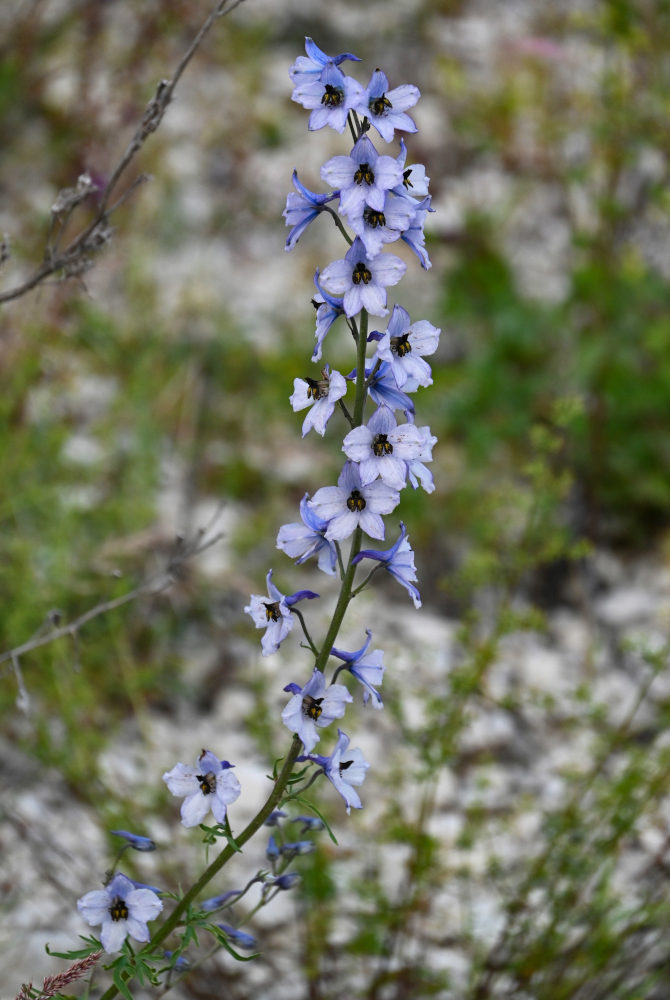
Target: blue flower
{"type": "Point", "coordinates": [310, 67]}
{"type": "Point", "coordinates": [382, 448]}
{"type": "Point", "coordinates": [399, 561]}
{"type": "Point", "coordinates": [272, 851]}
{"type": "Point", "coordinates": [362, 281]}
{"type": "Point", "coordinates": [350, 504]}
{"type": "Point", "coordinates": [137, 842]}
{"type": "Point", "coordinates": [417, 472]}
{"type": "Point", "coordinates": [384, 108]}
{"type": "Point", "coordinates": [273, 613]}
{"type": "Point", "coordinates": [210, 784]}
{"type": "Point", "coordinates": [274, 818]}
{"type": "Point", "coordinates": [314, 705]}
{"type": "Point", "coordinates": [328, 309]}
{"type": "Point", "coordinates": [242, 940]}
{"type": "Point", "coordinates": [216, 902]}
{"type": "Point", "coordinates": [298, 847]}
{"type": "Point", "coordinates": [414, 236]}
{"type": "Point", "coordinates": [321, 395]}
{"type": "Point", "coordinates": [302, 208]}
{"type": "Point", "coordinates": [376, 229]}
{"type": "Point", "coordinates": [302, 541]}
{"type": "Point", "coordinates": [286, 881]}
{"type": "Point", "coordinates": [403, 346]}
{"type": "Point", "coordinates": [362, 178]}
{"type": "Point", "coordinates": [121, 909]}
{"type": "Point", "coordinates": [330, 96]}
{"type": "Point", "coordinates": [344, 769]}
{"type": "Point", "coordinates": [311, 823]}
{"type": "Point", "coordinates": [366, 667]}
{"type": "Point", "coordinates": [181, 963]}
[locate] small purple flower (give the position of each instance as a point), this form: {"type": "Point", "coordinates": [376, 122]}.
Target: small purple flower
{"type": "Point", "coordinates": [272, 850]}
{"type": "Point", "coordinates": [180, 964]}
{"type": "Point", "coordinates": [330, 96]}
{"type": "Point", "coordinates": [298, 847]}
{"type": "Point", "coordinates": [314, 705]}
{"type": "Point", "coordinates": [362, 281]}
{"type": "Point", "coordinates": [216, 902]}
{"type": "Point", "coordinates": [285, 881]}
{"type": "Point", "coordinates": [362, 178]}
{"type": "Point", "coordinates": [399, 561]}
{"type": "Point", "coordinates": [403, 346]}
{"type": "Point", "coordinates": [344, 768]}
{"type": "Point", "coordinates": [122, 910]}
{"type": "Point", "coordinates": [275, 817]}
{"type": "Point", "coordinates": [210, 784]}
{"type": "Point", "coordinates": [308, 68]}
{"type": "Point", "coordinates": [137, 842]}
{"type": "Point", "coordinates": [321, 395]}
{"type": "Point", "coordinates": [311, 823]}
{"type": "Point", "coordinates": [302, 208]}
{"type": "Point", "coordinates": [367, 668]}
{"type": "Point", "coordinates": [302, 541]}
{"type": "Point", "coordinates": [273, 613]}
{"type": "Point", "coordinates": [382, 448]}
{"type": "Point", "coordinates": [328, 309]}
{"type": "Point", "coordinates": [414, 182]}
{"type": "Point", "coordinates": [240, 939]}
{"type": "Point", "coordinates": [384, 108]}
{"type": "Point", "coordinates": [350, 504]}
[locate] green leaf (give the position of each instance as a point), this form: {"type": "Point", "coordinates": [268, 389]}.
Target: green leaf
{"type": "Point", "coordinates": [93, 945]}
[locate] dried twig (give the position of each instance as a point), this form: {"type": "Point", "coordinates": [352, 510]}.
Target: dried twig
{"type": "Point", "coordinates": [76, 256]}
{"type": "Point", "coordinates": [153, 585]}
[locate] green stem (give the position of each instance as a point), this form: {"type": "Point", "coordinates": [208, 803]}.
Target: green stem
{"type": "Point", "coordinates": [226, 854]}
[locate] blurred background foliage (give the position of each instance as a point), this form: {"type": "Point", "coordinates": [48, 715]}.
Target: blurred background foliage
{"type": "Point", "coordinates": [141, 395]}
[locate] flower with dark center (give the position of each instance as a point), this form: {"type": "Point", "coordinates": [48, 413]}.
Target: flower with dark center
{"type": "Point", "coordinates": [351, 503]}
{"type": "Point", "coordinates": [321, 395]}
{"type": "Point", "coordinates": [363, 177]}
{"type": "Point", "coordinates": [382, 448]}
{"type": "Point", "coordinates": [362, 280]}
{"type": "Point", "coordinates": [344, 768]}
{"type": "Point", "coordinates": [386, 109]}
{"type": "Point", "coordinates": [274, 615]}
{"type": "Point", "coordinates": [314, 705]}
{"type": "Point", "coordinates": [209, 785]}
{"type": "Point", "coordinates": [121, 909]}
{"type": "Point", "coordinates": [404, 344]}
{"type": "Point", "coordinates": [329, 95]}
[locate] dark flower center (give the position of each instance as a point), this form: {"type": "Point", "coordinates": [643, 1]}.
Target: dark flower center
{"type": "Point", "coordinates": [361, 273]}
{"type": "Point", "coordinates": [364, 174]}
{"type": "Point", "coordinates": [405, 178]}
{"type": "Point", "coordinates": [332, 96]}
{"type": "Point", "coordinates": [401, 345]}
{"type": "Point", "coordinates": [381, 446]}
{"type": "Point", "coordinates": [380, 105]}
{"type": "Point", "coordinates": [317, 390]}
{"type": "Point", "coordinates": [118, 910]}
{"type": "Point", "coordinates": [345, 764]}
{"type": "Point", "coordinates": [373, 218]}
{"type": "Point", "coordinates": [311, 707]}
{"type": "Point", "coordinates": [272, 612]}
{"type": "Point", "coordinates": [356, 502]}
{"type": "Point", "coordinates": [207, 782]}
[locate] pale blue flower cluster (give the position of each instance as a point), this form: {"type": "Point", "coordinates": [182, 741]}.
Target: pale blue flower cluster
{"type": "Point", "coordinates": [376, 199]}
